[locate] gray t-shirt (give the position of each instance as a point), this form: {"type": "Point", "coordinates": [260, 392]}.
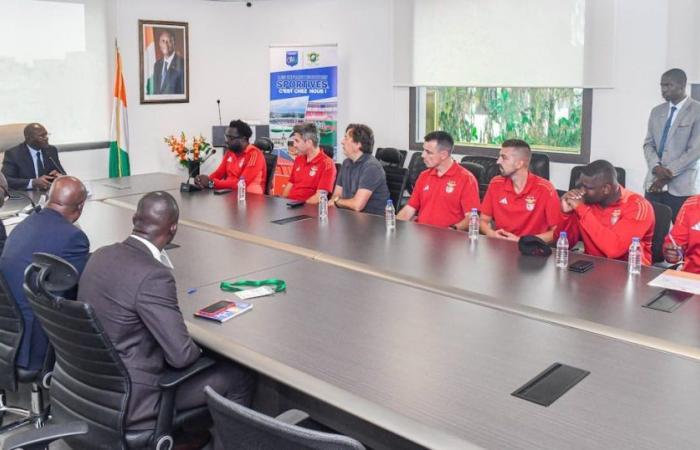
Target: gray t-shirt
{"type": "Point", "coordinates": [365, 173]}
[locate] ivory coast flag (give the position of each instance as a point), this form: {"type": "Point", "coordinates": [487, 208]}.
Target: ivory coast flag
{"type": "Point", "coordinates": [119, 135]}
{"type": "Point", "coordinates": [149, 59]}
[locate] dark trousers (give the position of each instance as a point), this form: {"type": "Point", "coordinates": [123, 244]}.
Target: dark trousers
{"type": "Point", "coordinates": [667, 199]}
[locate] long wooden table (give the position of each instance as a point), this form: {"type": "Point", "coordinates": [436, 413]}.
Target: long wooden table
{"type": "Point", "coordinates": [604, 300]}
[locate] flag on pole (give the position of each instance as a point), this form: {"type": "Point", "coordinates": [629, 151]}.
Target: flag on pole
{"type": "Point", "coordinates": [149, 59]}
{"type": "Point", "coordinates": [119, 135]}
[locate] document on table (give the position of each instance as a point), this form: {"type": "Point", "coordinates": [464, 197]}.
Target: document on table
{"type": "Point", "coordinates": [678, 281]}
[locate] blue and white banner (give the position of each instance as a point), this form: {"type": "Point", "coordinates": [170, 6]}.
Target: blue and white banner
{"type": "Point", "coordinates": [303, 88]}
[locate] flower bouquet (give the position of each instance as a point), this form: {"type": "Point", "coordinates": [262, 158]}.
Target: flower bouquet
{"type": "Point", "coordinates": [189, 157]}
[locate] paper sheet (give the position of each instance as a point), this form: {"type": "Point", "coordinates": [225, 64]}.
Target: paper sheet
{"type": "Point", "coordinates": [678, 281]}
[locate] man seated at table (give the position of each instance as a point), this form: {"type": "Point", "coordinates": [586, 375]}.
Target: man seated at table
{"type": "Point", "coordinates": [34, 163]}
{"type": "Point", "coordinates": [241, 160]}
{"type": "Point", "coordinates": [131, 287]}
{"type": "Point", "coordinates": [313, 171]}
{"type": "Point", "coordinates": [683, 242]}
{"type": "Point", "coordinates": [445, 192]}
{"type": "Point", "coordinates": [519, 202]}
{"type": "Point", "coordinates": [361, 184]}
{"type": "Point", "coordinates": [50, 230]}
{"type": "Point", "coordinates": [605, 215]}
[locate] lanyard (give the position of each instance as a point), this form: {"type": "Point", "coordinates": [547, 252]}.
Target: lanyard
{"type": "Point", "coordinates": [279, 285]}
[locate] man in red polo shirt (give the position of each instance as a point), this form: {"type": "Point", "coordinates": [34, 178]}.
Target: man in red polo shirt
{"type": "Point", "coordinates": [241, 160]}
{"type": "Point", "coordinates": [313, 171]}
{"type": "Point", "coordinates": [519, 203]}
{"type": "Point", "coordinates": [605, 215]}
{"type": "Point", "coordinates": [445, 192]}
{"type": "Point", "coordinates": [683, 242]}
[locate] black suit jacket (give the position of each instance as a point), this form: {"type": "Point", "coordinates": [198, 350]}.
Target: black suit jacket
{"type": "Point", "coordinates": [174, 77]}
{"type": "Point", "coordinates": [18, 167]}
{"type": "Point", "coordinates": [135, 299]}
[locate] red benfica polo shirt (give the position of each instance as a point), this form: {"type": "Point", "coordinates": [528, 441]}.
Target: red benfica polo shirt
{"type": "Point", "coordinates": [310, 176]}
{"type": "Point", "coordinates": [444, 200]}
{"type": "Point", "coordinates": [608, 231]}
{"type": "Point", "coordinates": [532, 211]}
{"type": "Point", "coordinates": [686, 233]}
{"type": "Point", "coordinates": [250, 165]}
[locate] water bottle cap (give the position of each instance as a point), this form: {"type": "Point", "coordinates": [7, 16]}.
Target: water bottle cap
{"type": "Point", "coordinates": [389, 203]}
{"type": "Point", "coordinates": [562, 234]}
{"type": "Point", "coordinates": [475, 210]}
{"type": "Point", "coordinates": [635, 239]}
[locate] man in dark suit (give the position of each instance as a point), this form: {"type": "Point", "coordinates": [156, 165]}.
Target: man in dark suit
{"type": "Point", "coordinates": [131, 287]}
{"type": "Point", "coordinates": [169, 71]}
{"type": "Point", "coordinates": [34, 163]}
{"type": "Point", "coordinates": [51, 230]}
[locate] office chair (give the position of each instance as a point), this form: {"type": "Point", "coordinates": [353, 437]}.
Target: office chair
{"type": "Point", "coordinates": [576, 174]}
{"type": "Point", "coordinates": [662, 226]}
{"type": "Point", "coordinates": [396, 176]}
{"type": "Point", "coordinates": [90, 387]}
{"type": "Point", "coordinates": [415, 167]}
{"type": "Point", "coordinates": [539, 165]}
{"type": "Point", "coordinates": [271, 164]}
{"type": "Point", "coordinates": [476, 169]}
{"type": "Point", "coordinates": [11, 375]}
{"type": "Point", "coordinates": [490, 170]}
{"type": "Point", "coordinates": [242, 428]}
{"type": "Point", "coordinates": [264, 144]}
{"type": "Point", "coordinates": [387, 156]}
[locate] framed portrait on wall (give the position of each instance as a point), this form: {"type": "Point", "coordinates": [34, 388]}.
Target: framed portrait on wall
{"type": "Point", "coordinates": [164, 62]}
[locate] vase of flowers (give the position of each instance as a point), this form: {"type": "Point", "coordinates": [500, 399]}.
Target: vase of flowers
{"type": "Point", "coordinates": [189, 156]}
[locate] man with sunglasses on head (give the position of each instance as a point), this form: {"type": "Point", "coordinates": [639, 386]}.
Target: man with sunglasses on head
{"type": "Point", "coordinates": [241, 160]}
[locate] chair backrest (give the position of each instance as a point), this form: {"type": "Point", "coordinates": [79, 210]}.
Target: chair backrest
{"type": "Point", "coordinates": [415, 167]}
{"type": "Point", "coordinates": [476, 169]}
{"type": "Point", "coordinates": [337, 175]}
{"type": "Point", "coordinates": [328, 150]}
{"type": "Point", "coordinates": [11, 134]}
{"type": "Point", "coordinates": [242, 428]}
{"type": "Point", "coordinates": [271, 163]}
{"type": "Point", "coordinates": [576, 174]}
{"type": "Point", "coordinates": [490, 170]}
{"type": "Point", "coordinates": [662, 226]}
{"type": "Point", "coordinates": [265, 144]}
{"type": "Point", "coordinates": [11, 329]}
{"type": "Point", "coordinates": [396, 178]}
{"type": "Point", "coordinates": [90, 382]}
{"type": "Point", "coordinates": [390, 157]}
{"type": "Point", "coordinates": [539, 165]}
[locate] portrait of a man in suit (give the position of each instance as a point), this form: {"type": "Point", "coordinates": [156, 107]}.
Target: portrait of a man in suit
{"type": "Point", "coordinates": [168, 71]}
{"type": "Point", "coordinates": [164, 61]}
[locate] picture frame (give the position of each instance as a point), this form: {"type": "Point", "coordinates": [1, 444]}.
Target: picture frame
{"type": "Point", "coordinates": [164, 62]}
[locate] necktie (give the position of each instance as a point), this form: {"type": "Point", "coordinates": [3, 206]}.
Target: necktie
{"type": "Point", "coordinates": [165, 72]}
{"type": "Point", "coordinates": [39, 165]}
{"type": "Point", "coordinates": [664, 135]}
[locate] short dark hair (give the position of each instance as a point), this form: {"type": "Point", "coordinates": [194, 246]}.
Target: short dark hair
{"type": "Point", "coordinates": [603, 169]}
{"type": "Point", "coordinates": [443, 138]}
{"type": "Point", "coordinates": [307, 130]}
{"type": "Point", "coordinates": [677, 75]}
{"type": "Point", "coordinates": [363, 135]}
{"type": "Point", "coordinates": [521, 146]}
{"type": "Point", "coordinates": [242, 128]}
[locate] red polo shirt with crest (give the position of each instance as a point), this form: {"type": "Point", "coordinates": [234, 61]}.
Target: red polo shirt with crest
{"type": "Point", "coordinates": [310, 176]}
{"type": "Point", "coordinates": [250, 165]}
{"type": "Point", "coordinates": [532, 211]}
{"type": "Point", "coordinates": [444, 200]}
{"type": "Point", "coordinates": [686, 233]}
{"type": "Point", "coordinates": [608, 230]}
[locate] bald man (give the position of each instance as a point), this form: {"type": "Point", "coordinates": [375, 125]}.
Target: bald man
{"type": "Point", "coordinates": [34, 163]}
{"type": "Point", "coordinates": [131, 287]}
{"type": "Point", "coordinates": [51, 230]}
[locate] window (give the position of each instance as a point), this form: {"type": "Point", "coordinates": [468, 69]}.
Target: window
{"type": "Point", "coordinates": [552, 120]}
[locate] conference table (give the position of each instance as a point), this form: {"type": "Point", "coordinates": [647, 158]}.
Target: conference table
{"type": "Point", "coordinates": [491, 272]}
{"type": "Point", "coordinates": [431, 368]}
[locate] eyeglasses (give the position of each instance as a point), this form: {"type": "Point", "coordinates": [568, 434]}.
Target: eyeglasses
{"type": "Point", "coordinates": [233, 138]}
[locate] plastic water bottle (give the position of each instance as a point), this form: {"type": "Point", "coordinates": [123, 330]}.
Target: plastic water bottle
{"type": "Point", "coordinates": [241, 190]}
{"type": "Point", "coordinates": [634, 258]}
{"type": "Point", "coordinates": [322, 205]}
{"type": "Point", "coordinates": [562, 254]}
{"type": "Point", "coordinates": [390, 215]}
{"type": "Point", "coordinates": [474, 224]}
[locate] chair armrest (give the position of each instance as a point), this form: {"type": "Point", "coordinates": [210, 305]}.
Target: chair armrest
{"type": "Point", "coordinates": [41, 437]}
{"type": "Point", "coordinates": [292, 417]}
{"type": "Point", "coordinates": [173, 377]}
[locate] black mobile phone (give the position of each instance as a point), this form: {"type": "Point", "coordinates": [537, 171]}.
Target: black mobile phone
{"type": "Point", "coordinates": [214, 307]}
{"type": "Point", "coordinates": [581, 266]}
{"type": "Point", "coordinates": [295, 204]}
{"type": "Point", "coordinates": [222, 191]}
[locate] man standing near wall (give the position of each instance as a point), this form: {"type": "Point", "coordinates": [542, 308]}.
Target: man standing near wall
{"type": "Point", "coordinates": [672, 145]}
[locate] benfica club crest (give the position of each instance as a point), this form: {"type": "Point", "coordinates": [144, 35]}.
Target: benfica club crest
{"type": "Point", "coordinates": [312, 171]}
{"type": "Point", "coordinates": [615, 216]}
{"type": "Point", "coordinates": [450, 186]}
{"type": "Point", "coordinates": [530, 203]}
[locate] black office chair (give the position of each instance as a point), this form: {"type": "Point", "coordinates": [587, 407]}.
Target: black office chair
{"type": "Point", "coordinates": [90, 387]}
{"type": "Point", "coordinates": [271, 164]}
{"type": "Point", "coordinates": [242, 428]}
{"type": "Point", "coordinates": [328, 150]}
{"type": "Point", "coordinates": [337, 175]}
{"type": "Point", "coordinates": [396, 176]}
{"type": "Point", "coordinates": [265, 144]}
{"type": "Point", "coordinates": [490, 170]}
{"type": "Point", "coordinates": [476, 169]}
{"type": "Point", "coordinates": [415, 167]}
{"type": "Point", "coordinates": [576, 174]}
{"type": "Point", "coordinates": [539, 165]}
{"type": "Point", "coordinates": [11, 375]}
{"type": "Point", "coordinates": [662, 226]}
{"type": "Point", "coordinates": [391, 157]}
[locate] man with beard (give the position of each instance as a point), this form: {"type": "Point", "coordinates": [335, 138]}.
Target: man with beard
{"type": "Point", "coordinates": [313, 171]}
{"type": "Point", "coordinates": [446, 192]}
{"type": "Point", "coordinates": [605, 215]}
{"type": "Point", "coordinates": [34, 163]}
{"type": "Point", "coordinates": [519, 203]}
{"type": "Point", "coordinates": [242, 160]}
